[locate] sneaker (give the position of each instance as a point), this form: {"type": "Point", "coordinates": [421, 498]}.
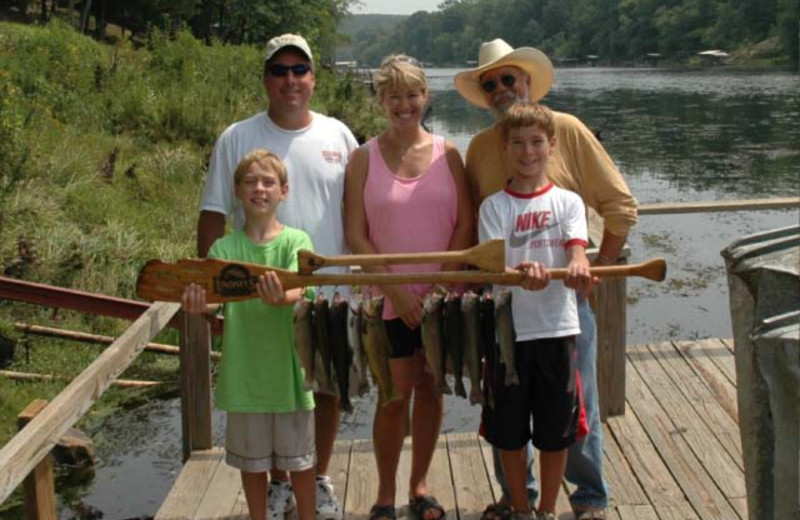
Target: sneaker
{"type": "Point", "coordinates": [328, 507]}
{"type": "Point", "coordinates": [546, 516]}
{"type": "Point", "coordinates": [280, 499]}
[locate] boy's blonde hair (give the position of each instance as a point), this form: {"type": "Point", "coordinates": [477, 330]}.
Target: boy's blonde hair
{"type": "Point", "coordinates": [399, 71]}
{"type": "Point", "coordinates": [265, 159]}
{"type": "Point", "coordinates": [521, 115]}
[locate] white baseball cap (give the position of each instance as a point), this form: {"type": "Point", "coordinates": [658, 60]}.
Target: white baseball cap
{"type": "Point", "coordinates": [287, 40]}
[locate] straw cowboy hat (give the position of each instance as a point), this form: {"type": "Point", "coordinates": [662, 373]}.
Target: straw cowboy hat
{"type": "Point", "coordinates": [497, 53]}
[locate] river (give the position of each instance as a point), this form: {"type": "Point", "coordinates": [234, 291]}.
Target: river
{"type": "Point", "coordinates": [695, 135]}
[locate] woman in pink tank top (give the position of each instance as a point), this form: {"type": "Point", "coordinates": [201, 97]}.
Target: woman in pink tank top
{"type": "Point", "coordinates": [405, 193]}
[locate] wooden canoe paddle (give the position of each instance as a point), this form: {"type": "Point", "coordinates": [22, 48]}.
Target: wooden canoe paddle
{"type": "Point", "coordinates": [235, 281]}
{"type": "Point", "coordinates": [489, 256]}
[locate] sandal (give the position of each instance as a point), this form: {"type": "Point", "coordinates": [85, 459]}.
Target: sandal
{"type": "Point", "coordinates": [422, 504]}
{"type": "Point", "coordinates": [377, 512]}
{"type": "Point", "coordinates": [590, 514]}
{"type": "Point", "coordinates": [496, 512]}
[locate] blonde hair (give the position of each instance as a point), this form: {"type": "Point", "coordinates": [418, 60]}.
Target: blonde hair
{"type": "Point", "coordinates": [399, 71]}
{"type": "Point", "coordinates": [265, 159]}
{"type": "Point", "coordinates": [521, 115]}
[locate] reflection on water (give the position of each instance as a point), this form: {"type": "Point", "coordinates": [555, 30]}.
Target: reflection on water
{"type": "Point", "coordinates": [677, 136]}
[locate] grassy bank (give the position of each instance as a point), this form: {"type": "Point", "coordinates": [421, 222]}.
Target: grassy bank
{"type": "Point", "coordinates": [103, 151]}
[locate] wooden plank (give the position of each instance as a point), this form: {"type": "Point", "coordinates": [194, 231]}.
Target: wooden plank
{"type": "Point", "coordinates": [440, 479]}
{"type": "Point", "coordinates": [195, 369]}
{"type": "Point", "coordinates": [220, 497]}
{"type": "Point", "coordinates": [740, 505]}
{"type": "Point", "coordinates": [625, 487]}
{"type": "Point", "coordinates": [718, 205]}
{"type": "Point", "coordinates": [193, 481]}
{"type": "Point", "coordinates": [85, 337]}
{"type": "Point", "coordinates": [338, 468]}
{"type": "Point", "coordinates": [719, 384]}
{"type": "Point", "coordinates": [21, 454]}
{"type": "Point", "coordinates": [362, 482]}
{"type": "Point", "coordinates": [699, 396]}
{"type": "Point", "coordinates": [81, 301]}
{"type": "Point", "coordinates": [658, 484]}
{"type": "Point", "coordinates": [486, 451]}
{"type": "Point", "coordinates": [726, 363]}
{"type": "Point", "coordinates": [692, 477]}
{"type": "Point", "coordinates": [240, 511]}
{"type": "Point", "coordinates": [726, 471]}
{"type": "Point", "coordinates": [470, 480]}
{"type": "Point", "coordinates": [39, 485]}
{"type": "Point", "coordinates": [640, 512]}
{"type": "Point", "coordinates": [611, 308]}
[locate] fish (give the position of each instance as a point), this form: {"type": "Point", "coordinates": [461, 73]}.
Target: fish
{"type": "Point", "coordinates": [453, 339]}
{"type": "Point", "coordinates": [324, 358]}
{"type": "Point", "coordinates": [377, 347]}
{"type": "Point", "coordinates": [304, 340]}
{"type": "Point", "coordinates": [432, 340]}
{"type": "Point", "coordinates": [470, 317]}
{"type": "Point", "coordinates": [341, 353]}
{"type": "Point", "coordinates": [504, 325]}
{"type": "Point", "coordinates": [489, 343]}
{"type": "Point", "coordinates": [354, 340]}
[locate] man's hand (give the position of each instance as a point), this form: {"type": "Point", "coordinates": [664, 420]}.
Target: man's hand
{"type": "Point", "coordinates": [193, 300]}
{"type": "Point", "coordinates": [536, 276]}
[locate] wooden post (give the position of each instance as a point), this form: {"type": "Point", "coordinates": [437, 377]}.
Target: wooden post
{"type": "Point", "coordinates": [195, 364]}
{"type": "Point", "coordinates": [39, 485]}
{"type": "Point", "coordinates": [611, 299]}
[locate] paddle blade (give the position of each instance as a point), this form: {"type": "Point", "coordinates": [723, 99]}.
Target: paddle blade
{"type": "Point", "coordinates": [223, 281]}
{"type": "Point", "coordinates": [655, 269]}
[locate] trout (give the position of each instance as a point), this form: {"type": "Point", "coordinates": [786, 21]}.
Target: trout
{"type": "Point", "coordinates": [489, 342]}
{"type": "Point", "coordinates": [504, 324]}
{"type": "Point", "coordinates": [376, 345]}
{"type": "Point", "coordinates": [340, 350]}
{"type": "Point", "coordinates": [304, 340]}
{"type": "Point", "coordinates": [472, 344]}
{"type": "Point", "coordinates": [432, 340]}
{"type": "Point", "coordinates": [324, 358]}
{"type": "Point", "coordinates": [354, 340]}
{"type": "Point", "coordinates": [453, 326]}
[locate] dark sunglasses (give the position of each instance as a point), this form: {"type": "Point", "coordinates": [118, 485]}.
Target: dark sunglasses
{"type": "Point", "coordinates": [279, 69]}
{"type": "Point", "coordinates": [507, 80]}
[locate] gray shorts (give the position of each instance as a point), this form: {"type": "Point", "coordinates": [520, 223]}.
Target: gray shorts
{"type": "Point", "coordinates": [258, 442]}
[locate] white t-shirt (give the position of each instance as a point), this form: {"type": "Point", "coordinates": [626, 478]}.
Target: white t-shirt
{"type": "Point", "coordinates": [315, 159]}
{"type": "Point", "coordinates": [538, 227]}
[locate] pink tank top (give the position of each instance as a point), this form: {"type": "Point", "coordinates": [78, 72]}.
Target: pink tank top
{"type": "Point", "coordinates": [410, 215]}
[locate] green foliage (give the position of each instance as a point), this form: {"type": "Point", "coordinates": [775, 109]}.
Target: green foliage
{"type": "Point", "coordinates": [618, 31]}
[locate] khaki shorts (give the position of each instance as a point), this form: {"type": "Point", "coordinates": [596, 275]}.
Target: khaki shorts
{"type": "Point", "coordinates": [258, 442]}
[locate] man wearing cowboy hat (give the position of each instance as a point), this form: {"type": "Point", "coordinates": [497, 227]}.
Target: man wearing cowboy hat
{"type": "Point", "coordinates": [505, 76]}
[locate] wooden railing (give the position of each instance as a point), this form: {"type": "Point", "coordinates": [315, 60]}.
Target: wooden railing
{"type": "Point", "coordinates": [26, 456]}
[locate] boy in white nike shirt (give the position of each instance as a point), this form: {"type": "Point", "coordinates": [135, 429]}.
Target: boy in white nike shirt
{"type": "Point", "coordinates": [543, 226]}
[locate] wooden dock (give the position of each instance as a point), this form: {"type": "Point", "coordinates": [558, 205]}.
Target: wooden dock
{"type": "Point", "coordinates": [674, 454]}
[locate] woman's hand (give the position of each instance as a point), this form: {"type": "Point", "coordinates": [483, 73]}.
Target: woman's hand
{"type": "Point", "coordinates": [536, 276]}
{"type": "Point", "coordinates": [407, 305]}
{"type": "Point", "coordinates": [270, 289]}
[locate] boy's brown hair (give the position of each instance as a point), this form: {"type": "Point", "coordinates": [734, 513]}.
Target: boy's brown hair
{"type": "Point", "coordinates": [521, 115]}
{"type": "Point", "coordinates": [266, 159]}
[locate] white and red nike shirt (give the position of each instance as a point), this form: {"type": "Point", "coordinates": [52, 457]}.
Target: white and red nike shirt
{"type": "Point", "coordinates": [538, 227]}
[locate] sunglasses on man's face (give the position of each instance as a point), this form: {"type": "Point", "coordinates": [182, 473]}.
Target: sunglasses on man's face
{"type": "Point", "coordinates": [279, 69]}
{"type": "Point", "coordinates": [507, 80]}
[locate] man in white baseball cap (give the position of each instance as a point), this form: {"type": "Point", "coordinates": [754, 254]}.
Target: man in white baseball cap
{"type": "Point", "coordinates": [315, 149]}
{"type": "Point", "coordinates": [579, 163]}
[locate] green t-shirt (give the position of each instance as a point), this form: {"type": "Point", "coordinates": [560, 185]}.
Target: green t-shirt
{"type": "Point", "coordinates": [260, 370]}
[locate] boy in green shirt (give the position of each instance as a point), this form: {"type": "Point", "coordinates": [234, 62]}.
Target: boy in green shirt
{"type": "Point", "coordinates": [270, 419]}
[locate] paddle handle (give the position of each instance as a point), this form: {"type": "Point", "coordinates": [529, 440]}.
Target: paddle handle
{"type": "Point", "coordinates": [652, 270]}
{"type": "Point", "coordinates": [489, 256]}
